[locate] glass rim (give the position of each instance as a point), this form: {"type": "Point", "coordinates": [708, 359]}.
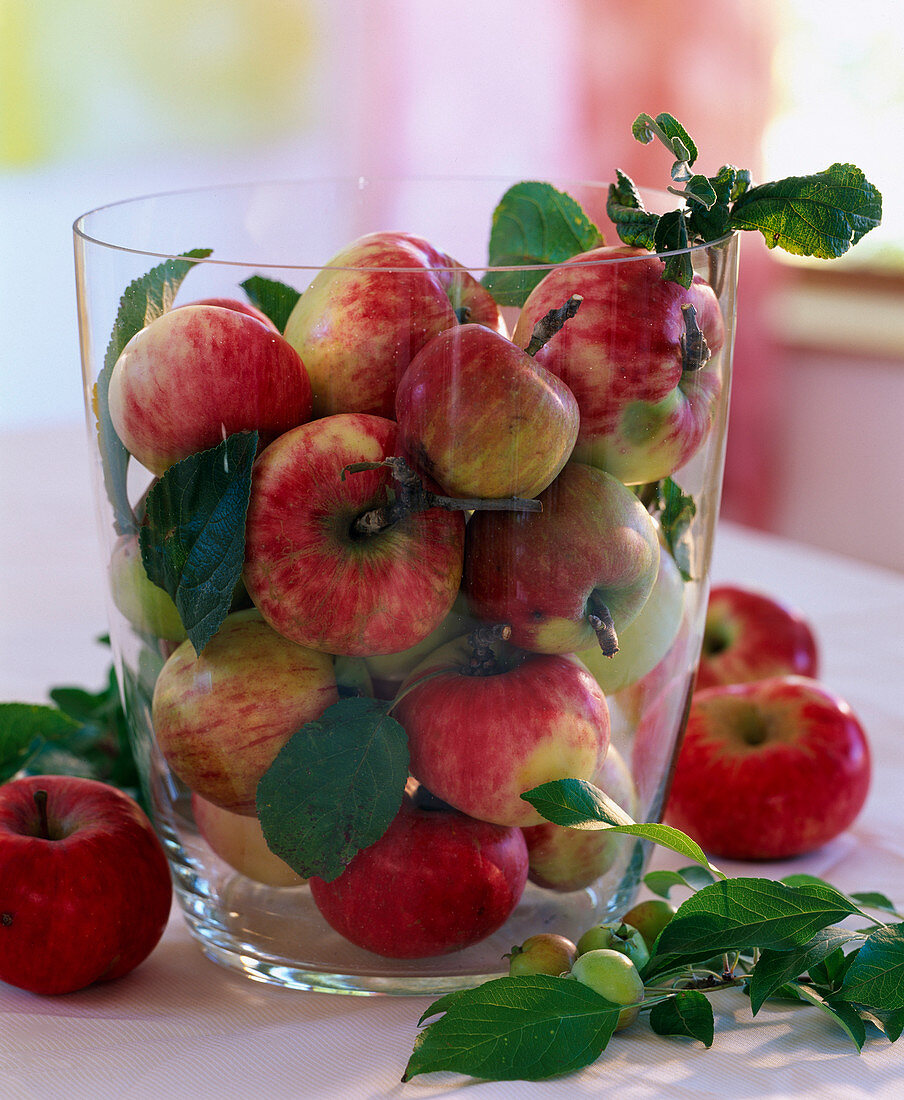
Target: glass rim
{"type": "Point", "coordinates": [361, 182]}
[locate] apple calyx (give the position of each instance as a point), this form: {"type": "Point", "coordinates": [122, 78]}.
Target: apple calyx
{"type": "Point", "coordinates": [551, 322]}
{"type": "Point", "coordinates": [695, 351]}
{"type": "Point", "coordinates": [412, 496]}
{"type": "Point", "coordinates": [483, 660]}
{"type": "Point", "coordinates": [600, 618]}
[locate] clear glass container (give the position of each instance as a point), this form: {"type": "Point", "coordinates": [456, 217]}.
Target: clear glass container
{"type": "Point", "coordinates": [394, 347]}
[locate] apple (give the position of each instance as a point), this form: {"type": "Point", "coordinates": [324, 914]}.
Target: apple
{"type": "Point", "coordinates": [236, 304]}
{"type": "Point", "coordinates": [643, 643]}
{"type": "Point", "coordinates": [645, 406]}
{"type": "Point", "coordinates": [239, 841]}
{"type": "Point", "coordinates": [487, 722]}
{"type": "Point", "coordinates": [565, 859]}
{"type": "Point", "coordinates": [543, 953]}
{"type": "Point", "coordinates": [147, 607]}
{"type": "Point", "coordinates": [314, 575]}
{"type": "Point", "coordinates": [436, 881]}
{"type": "Point", "coordinates": [616, 936]}
{"type": "Point", "coordinates": [85, 888]}
{"type": "Point", "coordinates": [750, 635]}
{"type": "Point", "coordinates": [370, 310]}
{"type": "Point", "coordinates": [478, 416]}
{"type": "Point", "coordinates": [221, 717]}
{"type": "Point", "coordinates": [649, 917]}
{"type": "Point", "coordinates": [577, 572]}
{"type": "Point", "coordinates": [769, 769]}
{"type": "Point", "coordinates": [612, 975]}
{"type": "Point", "coordinates": [198, 374]}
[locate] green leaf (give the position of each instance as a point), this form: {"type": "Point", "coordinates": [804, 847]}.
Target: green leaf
{"type": "Point", "coordinates": [711, 224]}
{"type": "Point", "coordinates": [634, 224]}
{"type": "Point", "coordinates": [534, 224]}
{"type": "Point", "coordinates": [517, 1028]}
{"type": "Point", "coordinates": [193, 537]}
{"type": "Point", "coordinates": [699, 190]}
{"type": "Point", "coordinates": [692, 878]}
{"type": "Point", "coordinates": [669, 131]}
{"type": "Point", "coordinates": [688, 1013]}
{"type": "Point", "coordinates": [143, 300]}
{"type": "Point", "coordinates": [675, 511]}
{"type": "Point", "coordinates": [671, 236]}
{"type": "Point", "coordinates": [876, 977]}
{"type": "Point", "coordinates": [775, 968]}
{"type": "Point", "coordinates": [580, 805]}
{"type": "Point", "coordinates": [820, 215]}
{"type": "Point", "coordinates": [846, 1017]}
{"type": "Point", "coordinates": [872, 899]}
{"type": "Point", "coordinates": [335, 787]}
{"type": "Point", "coordinates": [272, 297]}
{"type": "Point", "coordinates": [738, 913]}
{"type": "Point", "coordinates": [24, 729]}
{"type": "Point", "coordinates": [890, 1023]}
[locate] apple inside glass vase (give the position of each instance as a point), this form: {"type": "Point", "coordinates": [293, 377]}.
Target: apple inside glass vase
{"type": "Point", "coordinates": [431, 529]}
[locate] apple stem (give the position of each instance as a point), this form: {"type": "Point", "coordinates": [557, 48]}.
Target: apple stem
{"type": "Point", "coordinates": [412, 496]}
{"type": "Point", "coordinates": [695, 351]}
{"type": "Point", "coordinates": [483, 661]}
{"type": "Point", "coordinates": [600, 618]}
{"type": "Point", "coordinates": [549, 325]}
{"type": "Point", "coordinates": [40, 798]}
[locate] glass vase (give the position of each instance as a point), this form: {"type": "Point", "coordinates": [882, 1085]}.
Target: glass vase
{"type": "Point", "coordinates": [347, 636]}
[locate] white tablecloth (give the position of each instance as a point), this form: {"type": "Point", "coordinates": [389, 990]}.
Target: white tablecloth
{"type": "Point", "coordinates": [181, 1026]}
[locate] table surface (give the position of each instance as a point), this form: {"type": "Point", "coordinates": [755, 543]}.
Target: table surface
{"type": "Point", "coordinates": [181, 1025]}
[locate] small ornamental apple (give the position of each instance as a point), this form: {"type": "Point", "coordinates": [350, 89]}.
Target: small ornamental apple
{"type": "Point", "coordinates": [612, 975]}
{"type": "Point", "coordinates": [571, 575]}
{"type": "Point", "coordinates": [543, 953]}
{"type": "Point", "coordinates": [85, 889]}
{"type": "Point", "coordinates": [566, 859]}
{"type": "Point", "coordinates": [239, 841]}
{"type": "Point", "coordinates": [750, 635]}
{"type": "Point", "coordinates": [198, 374]}
{"type": "Point", "coordinates": [640, 358]}
{"type": "Point", "coordinates": [370, 310]}
{"type": "Point", "coordinates": [478, 416]}
{"type": "Point", "coordinates": [769, 769]}
{"type": "Point", "coordinates": [324, 575]}
{"type": "Point", "coordinates": [649, 917]}
{"type": "Point", "coordinates": [616, 936]}
{"type": "Point", "coordinates": [486, 722]}
{"type": "Point", "coordinates": [435, 882]}
{"type": "Point", "coordinates": [221, 717]}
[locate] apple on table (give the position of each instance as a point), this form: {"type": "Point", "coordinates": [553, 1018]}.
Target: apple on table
{"type": "Point", "coordinates": [85, 888]}
{"type": "Point", "coordinates": [769, 769]}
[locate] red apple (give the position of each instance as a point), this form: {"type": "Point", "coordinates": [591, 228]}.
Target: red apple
{"type": "Point", "coordinates": [486, 725]}
{"type": "Point", "coordinates": [769, 769]}
{"type": "Point", "coordinates": [239, 841]}
{"type": "Point", "coordinates": [199, 373]}
{"type": "Point", "coordinates": [222, 716]}
{"type": "Point", "coordinates": [85, 888]}
{"type": "Point", "coordinates": [481, 418]}
{"type": "Point", "coordinates": [750, 636]}
{"type": "Point", "coordinates": [436, 881]}
{"type": "Point", "coordinates": [319, 580]}
{"type": "Point", "coordinates": [236, 304]}
{"type": "Point", "coordinates": [645, 407]}
{"type": "Point", "coordinates": [566, 859]}
{"type": "Point", "coordinates": [554, 575]}
{"type": "Point", "coordinates": [370, 310]}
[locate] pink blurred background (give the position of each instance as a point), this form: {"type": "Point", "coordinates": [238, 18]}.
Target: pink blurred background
{"type": "Point", "coordinates": [100, 101]}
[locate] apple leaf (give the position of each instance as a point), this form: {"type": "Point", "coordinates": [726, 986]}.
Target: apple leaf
{"type": "Point", "coordinates": [272, 297]}
{"type": "Point", "coordinates": [693, 878]}
{"type": "Point", "coordinates": [688, 1013]}
{"type": "Point", "coordinates": [24, 729]}
{"type": "Point", "coordinates": [820, 215]}
{"type": "Point", "coordinates": [334, 787]}
{"type": "Point", "coordinates": [876, 977]}
{"type": "Point", "coordinates": [844, 1015]}
{"type": "Point", "coordinates": [577, 804]}
{"type": "Point", "coordinates": [675, 511]}
{"type": "Point", "coordinates": [193, 536]}
{"type": "Point", "coordinates": [515, 1028]}
{"type": "Point", "coordinates": [670, 132]}
{"type": "Point", "coordinates": [143, 300]}
{"type": "Point", "coordinates": [635, 224]}
{"type": "Point", "coordinates": [534, 225]}
{"type": "Point", "coordinates": [735, 914]}
{"type": "Point", "coordinates": [775, 968]}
